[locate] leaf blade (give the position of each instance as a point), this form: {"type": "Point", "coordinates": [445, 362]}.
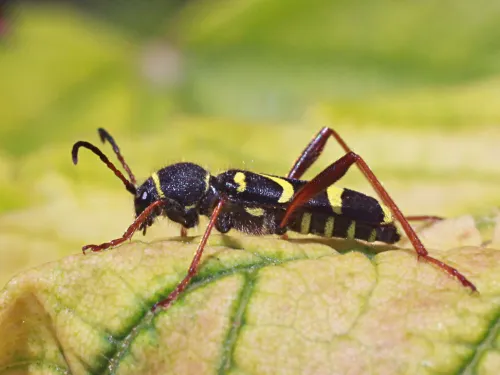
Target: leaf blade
{"type": "Point", "coordinates": [306, 307]}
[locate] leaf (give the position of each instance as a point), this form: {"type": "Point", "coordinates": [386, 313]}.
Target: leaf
{"type": "Point", "coordinates": [258, 306]}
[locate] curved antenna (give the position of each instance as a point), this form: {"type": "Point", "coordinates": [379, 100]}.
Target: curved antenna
{"type": "Point", "coordinates": [105, 136]}
{"type": "Point", "coordinates": [74, 153]}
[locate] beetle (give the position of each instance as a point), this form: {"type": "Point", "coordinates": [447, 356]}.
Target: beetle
{"type": "Point", "coordinates": [260, 204]}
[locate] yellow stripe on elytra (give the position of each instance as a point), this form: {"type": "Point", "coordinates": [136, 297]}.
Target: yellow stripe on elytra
{"type": "Point", "coordinates": [351, 231]}
{"type": "Point", "coordinates": [287, 187]}
{"type": "Point", "coordinates": [387, 214]}
{"type": "Point", "coordinates": [329, 225]}
{"type": "Point", "coordinates": [257, 211]}
{"type": "Point", "coordinates": [373, 235]}
{"type": "Point", "coordinates": [334, 195]}
{"type": "Point", "coordinates": [305, 223]}
{"type": "Point", "coordinates": [156, 181]}
{"type": "Point", "coordinates": [239, 178]}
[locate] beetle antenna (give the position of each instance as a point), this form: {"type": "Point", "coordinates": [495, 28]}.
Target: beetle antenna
{"type": "Point", "coordinates": [105, 136]}
{"type": "Point", "coordinates": [74, 153]}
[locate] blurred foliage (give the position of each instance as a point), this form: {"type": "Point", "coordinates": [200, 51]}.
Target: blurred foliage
{"type": "Point", "coordinates": [331, 50]}
{"type": "Point", "coordinates": [413, 87]}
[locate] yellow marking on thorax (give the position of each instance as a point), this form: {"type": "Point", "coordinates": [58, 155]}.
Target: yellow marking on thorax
{"type": "Point", "coordinates": [334, 195]}
{"type": "Point", "coordinates": [207, 182]}
{"type": "Point", "coordinates": [373, 235]}
{"type": "Point", "coordinates": [387, 214]}
{"type": "Point", "coordinates": [305, 223]}
{"type": "Point", "coordinates": [329, 225]}
{"type": "Point", "coordinates": [156, 181]}
{"type": "Point", "coordinates": [351, 231]}
{"type": "Point", "coordinates": [239, 178]}
{"type": "Point", "coordinates": [257, 211]}
{"type": "Point", "coordinates": [287, 187]}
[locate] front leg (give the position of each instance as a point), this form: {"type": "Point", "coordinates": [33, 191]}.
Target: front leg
{"type": "Point", "coordinates": [138, 222]}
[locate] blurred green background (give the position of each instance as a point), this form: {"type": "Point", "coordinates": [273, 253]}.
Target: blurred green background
{"type": "Point", "coordinates": [413, 86]}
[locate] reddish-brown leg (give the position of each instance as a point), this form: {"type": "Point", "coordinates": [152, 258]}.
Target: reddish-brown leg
{"type": "Point", "coordinates": [424, 218]}
{"type": "Point", "coordinates": [129, 232]}
{"type": "Point", "coordinates": [337, 170]}
{"type": "Point", "coordinates": [312, 152]}
{"type": "Point", "coordinates": [314, 149]}
{"type": "Point", "coordinates": [193, 268]}
{"type": "Point", "coordinates": [184, 232]}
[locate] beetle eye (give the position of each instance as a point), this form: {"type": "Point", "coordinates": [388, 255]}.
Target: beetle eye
{"type": "Point", "coordinates": [144, 196]}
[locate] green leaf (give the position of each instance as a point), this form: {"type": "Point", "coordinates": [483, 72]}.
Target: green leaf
{"type": "Point", "coordinates": [257, 306]}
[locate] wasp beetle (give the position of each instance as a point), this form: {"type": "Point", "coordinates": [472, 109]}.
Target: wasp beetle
{"type": "Point", "coordinates": [260, 204]}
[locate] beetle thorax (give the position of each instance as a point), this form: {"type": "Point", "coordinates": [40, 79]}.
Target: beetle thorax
{"type": "Point", "coordinates": [183, 185]}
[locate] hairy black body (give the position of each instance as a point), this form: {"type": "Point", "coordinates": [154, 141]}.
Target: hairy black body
{"type": "Point", "coordinates": [256, 204]}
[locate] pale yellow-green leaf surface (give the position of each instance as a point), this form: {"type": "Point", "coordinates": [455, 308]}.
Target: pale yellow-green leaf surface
{"type": "Point", "coordinates": [258, 306]}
